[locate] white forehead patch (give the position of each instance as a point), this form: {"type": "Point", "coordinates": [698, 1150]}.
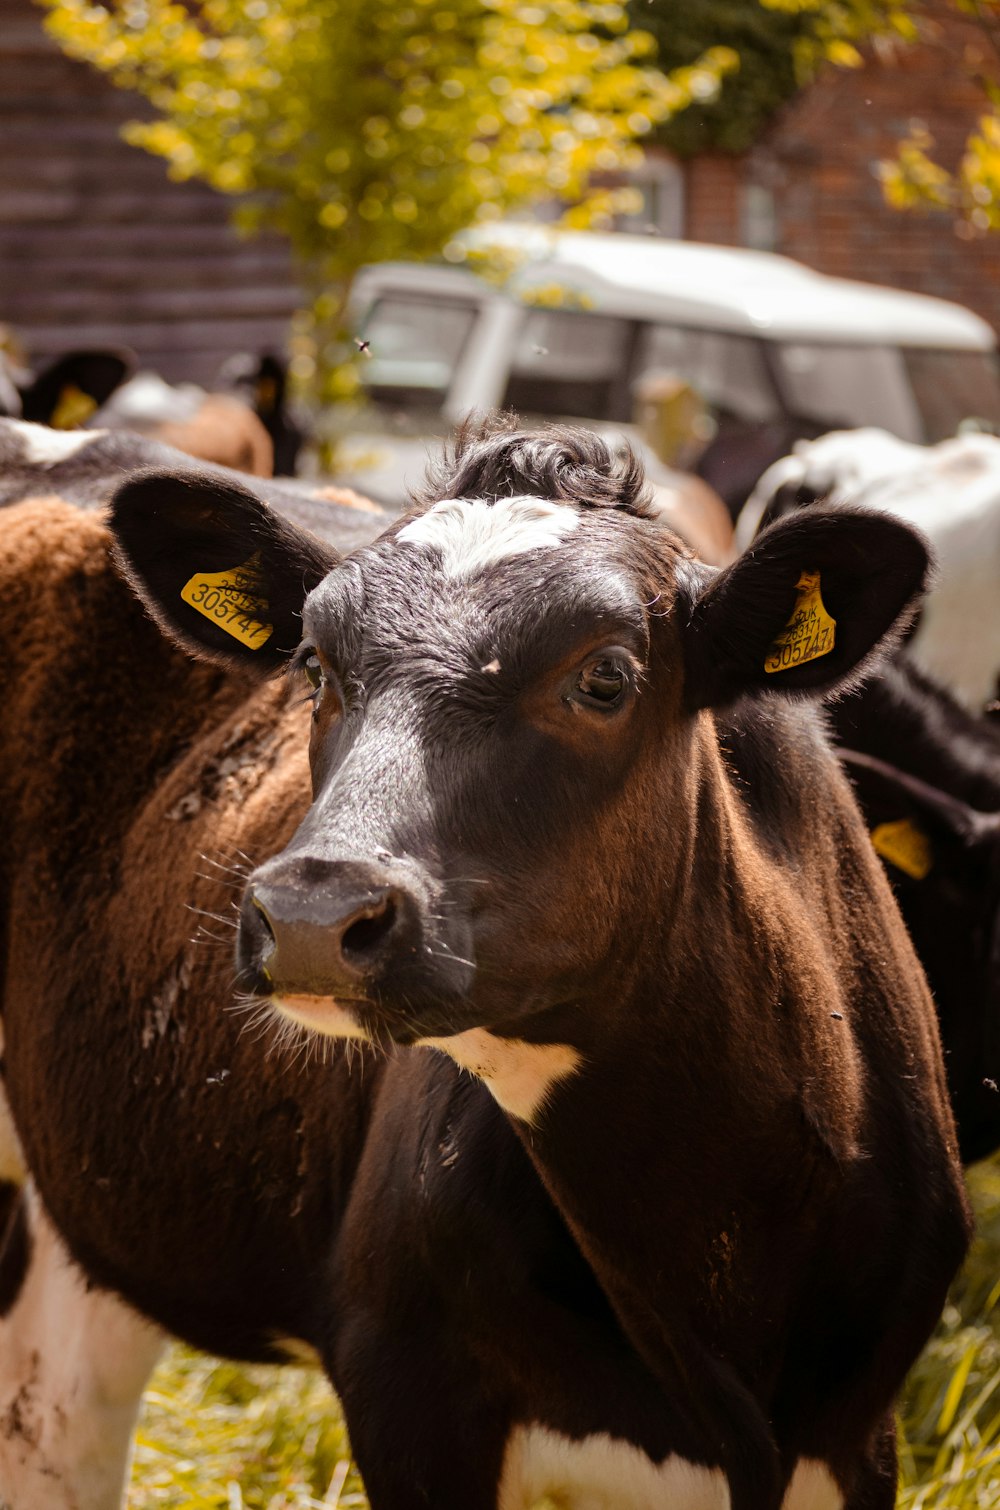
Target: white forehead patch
{"type": "Point", "coordinates": [43, 447]}
{"type": "Point", "coordinates": [471, 533]}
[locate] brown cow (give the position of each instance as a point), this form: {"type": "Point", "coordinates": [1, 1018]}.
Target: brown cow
{"type": "Point", "coordinates": [214, 427]}
{"type": "Point", "coordinates": [676, 1239]}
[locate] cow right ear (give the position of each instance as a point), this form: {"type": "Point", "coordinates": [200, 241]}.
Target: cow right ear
{"type": "Point", "coordinates": [220, 572]}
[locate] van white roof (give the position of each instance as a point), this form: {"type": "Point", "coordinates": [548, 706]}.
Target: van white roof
{"type": "Point", "coordinates": [727, 288]}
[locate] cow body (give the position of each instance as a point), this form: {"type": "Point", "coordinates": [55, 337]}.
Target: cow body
{"type": "Point", "coordinates": [951, 492]}
{"type": "Point", "coordinates": [670, 1206]}
{"type": "Point", "coordinates": [926, 773]}
{"type": "Point", "coordinates": [83, 466]}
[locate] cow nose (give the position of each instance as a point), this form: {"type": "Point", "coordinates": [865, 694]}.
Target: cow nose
{"type": "Point", "coordinates": [317, 934]}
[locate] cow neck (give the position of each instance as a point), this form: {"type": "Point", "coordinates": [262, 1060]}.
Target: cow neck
{"type": "Point", "coordinates": [678, 1150]}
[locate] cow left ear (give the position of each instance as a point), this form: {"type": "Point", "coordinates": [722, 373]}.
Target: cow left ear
{"type": "Point", "coordinates": [219, 571]}
{"type": "Point", "coordinates": [804, 606]}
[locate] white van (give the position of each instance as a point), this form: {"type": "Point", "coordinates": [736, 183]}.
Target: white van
{"type": "Point", "coordinates": [586, 324]}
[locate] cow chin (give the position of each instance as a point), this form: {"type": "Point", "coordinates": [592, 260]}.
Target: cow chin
{"type": "Point", "coordinates": [320, 1014]}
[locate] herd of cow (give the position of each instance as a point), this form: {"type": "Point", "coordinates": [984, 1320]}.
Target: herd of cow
{"type": "Point", "coordinates": [486, 952]}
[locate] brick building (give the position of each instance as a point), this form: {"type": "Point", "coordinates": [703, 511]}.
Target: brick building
{"type": "Point", "coordinates": [98, 245]}
{"type": "Point", "coordinates": [809, 186]}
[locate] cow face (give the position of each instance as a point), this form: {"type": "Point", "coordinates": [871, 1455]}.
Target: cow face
{"type": "Point", "coordinates": [507, 737]}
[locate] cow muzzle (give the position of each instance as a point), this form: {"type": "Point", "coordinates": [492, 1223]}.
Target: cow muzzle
{"type": "Point", "coordinates": [327, 939]}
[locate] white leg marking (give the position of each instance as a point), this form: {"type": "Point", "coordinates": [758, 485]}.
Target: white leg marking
{"type": "Point", "coordinates": [812, 1488]}
{"type": "Point", "coordinates": [44, 447]}
{"type": "Point", "coordinates": [73, 1365]}
{"type": "Point", "coordinates": [601, 1473]}
{"type": "Point", "coordinates": [471, 533]}
{"type": "Point", "coordinates": [520, 1076]}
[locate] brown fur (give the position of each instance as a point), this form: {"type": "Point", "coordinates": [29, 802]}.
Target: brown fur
{"type": "Point", "coordinates": [696, 513]}
{"type": "Point", "coordinates": [224, 431]}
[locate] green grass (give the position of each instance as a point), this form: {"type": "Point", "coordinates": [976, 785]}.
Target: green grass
{"type": "Point", "coordinates": [214, 1436]}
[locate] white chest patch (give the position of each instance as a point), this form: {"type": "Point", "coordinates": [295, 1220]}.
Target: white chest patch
{"type": "Point", "coordinates": [519, 1075]}
{"type": "Point", "coordinates": [43, 447]}
{"type": "Point", "coordinates": [812, 1488]}
{"type": "Point", "coordinates": [471, 533]}
{"type": "Point", "coordinates": [602, 1473]}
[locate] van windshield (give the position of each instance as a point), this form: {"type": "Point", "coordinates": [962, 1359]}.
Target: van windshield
{"type": "Point", "coordinates": [844, 387]}
{"type": "Point", "coordinates": [953, 386]}
{"type": "Point", "coordinates": [919, 394]}
{"type": "Point", "coordinates": [570, 364]}
{"type": "Point", "coordinates": [583, 365]}
{"type": "Point", "coordinates": [414, 346]}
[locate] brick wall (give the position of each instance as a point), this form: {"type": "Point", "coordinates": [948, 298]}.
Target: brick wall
{"type": "Point", "coordinates": [98, 246]}
{"type": "Point", "coordinates": [818, 162]}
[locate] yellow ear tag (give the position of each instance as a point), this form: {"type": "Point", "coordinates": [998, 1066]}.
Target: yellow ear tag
{"type": "Point", "coordinates": [73, 408]}
{"type": "Point", "coordinates": [232, 600]}
{"type": "Point", "coordinates": [808, 634]}
{"type": "Point", "coordinates": [904, 845]}
{"type": "Point", "coordinates": [266, 394]}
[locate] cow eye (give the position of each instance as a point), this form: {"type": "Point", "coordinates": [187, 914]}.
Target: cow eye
{"type": "Point", "coordinates": [602, 684]}
{"type": "Point", "coordinates": [313, 671]}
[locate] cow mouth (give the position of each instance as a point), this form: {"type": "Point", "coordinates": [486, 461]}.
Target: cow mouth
{"type": "Point", "coordinates": [332, 1016]}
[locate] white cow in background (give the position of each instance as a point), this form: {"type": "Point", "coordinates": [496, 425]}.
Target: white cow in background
{"type": "Point", "coordinates": [951, 491]}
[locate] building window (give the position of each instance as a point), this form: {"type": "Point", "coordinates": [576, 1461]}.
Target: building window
{"type": "Point", "coordinates": [660, 181]}
{"type": "Point", "coordinates": [758, 218]}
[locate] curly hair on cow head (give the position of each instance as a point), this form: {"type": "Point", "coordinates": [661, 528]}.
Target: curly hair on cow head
{"type": "Point", "coordinates": [492, 457]}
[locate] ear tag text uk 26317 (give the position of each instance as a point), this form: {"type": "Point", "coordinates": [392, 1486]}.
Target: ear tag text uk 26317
{"type": "Point", "coordinates": [232, 599]}
{"type": "Point", "coordinates": [808, 634]}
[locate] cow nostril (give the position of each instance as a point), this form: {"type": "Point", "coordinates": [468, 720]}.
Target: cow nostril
{"type": "Point", "coordinates": [367, 932]}
{"type": "Point", "coordinates": [266, 923]}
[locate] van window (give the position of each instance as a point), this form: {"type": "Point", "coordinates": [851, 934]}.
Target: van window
{"type": "Point", "coordinates": [843, 387]}
{"type": "Point", "coordinates": [570, 364]}
{"type": "Point", "coordinates": [414, 346]}
{"type": "Point", "coordinates": [728, 372]}
{"type": "Point", "coordinates": [952, 386]}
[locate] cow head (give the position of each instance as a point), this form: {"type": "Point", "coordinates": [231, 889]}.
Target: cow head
{"type": "Point", "coordinates": [511, 729]}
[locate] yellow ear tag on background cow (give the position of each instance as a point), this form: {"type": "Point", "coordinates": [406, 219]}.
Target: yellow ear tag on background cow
{"type": "Point", "coordinates": [73, 408]}
{"type": "Point", "coordinates": [904, 845]}
{"type": "Point", "coordinates": [232, 600]}
{"type": "Point", "coordinates": [808, 634]}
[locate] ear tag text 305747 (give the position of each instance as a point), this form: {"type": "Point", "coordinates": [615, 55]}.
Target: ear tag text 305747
{"type": "Point", "coordinates": [808, 634]}
{"type": "Point", "coordinates": [233, 600]}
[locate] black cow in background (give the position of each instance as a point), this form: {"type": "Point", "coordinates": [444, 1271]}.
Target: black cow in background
{"type": "Point", "coordinates": [262, 382]}
{"type": "Point", "coordinates": [926, 774]}
{"type": "Point", "coordinates": [66, 392]}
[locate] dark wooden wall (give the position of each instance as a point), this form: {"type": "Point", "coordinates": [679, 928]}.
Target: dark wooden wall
{"type": "Point", "coordinates": [98, 245]}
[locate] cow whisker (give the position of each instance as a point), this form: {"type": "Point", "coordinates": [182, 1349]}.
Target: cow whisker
{"type": "Point", "coordinates": [447, 954]}
{"type": "Point", "coordinates": [233, 870]}
{"type": "Point", "coordinates": [205, 936]}
{"type": "Point", "coordinates": [218, 881]}
{"type": "Point", "coordinates": [216, 917]}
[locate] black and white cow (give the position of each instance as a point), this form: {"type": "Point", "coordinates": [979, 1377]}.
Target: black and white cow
{"type": "Point", "coordinates": [951, 492]}
{"type": "Point", "coordinates": [630, 1177]}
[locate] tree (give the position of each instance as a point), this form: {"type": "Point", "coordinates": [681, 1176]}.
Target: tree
{"type": "Point", "coordinates": [765, 43]}
{"type": "Point", "coordinates": [373, 129]}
